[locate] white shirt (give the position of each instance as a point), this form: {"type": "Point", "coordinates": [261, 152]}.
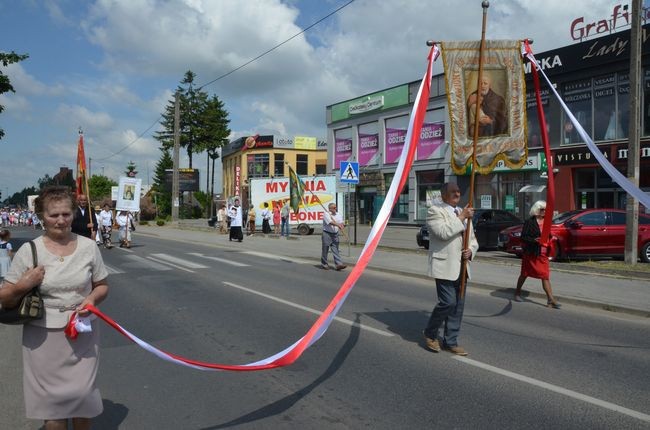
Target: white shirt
{"type": "Point", "coordinates": [328, 218]}
{"type": "Point", "coordinates": [106, 217]}
{"type": "Point", "coordinates": [266, 214]}
{"type": "Point", "coordinates": [235, 216]}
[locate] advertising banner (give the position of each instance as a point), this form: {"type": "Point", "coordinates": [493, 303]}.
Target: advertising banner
{"type": "Point", "coordinates": [432, 137]}
{"type": "Point", "coordinates": [342, 151]}
{"type": "Point", "coordinates": [394, 144]}
{"type": "Point", "coordinates": [368, 149]}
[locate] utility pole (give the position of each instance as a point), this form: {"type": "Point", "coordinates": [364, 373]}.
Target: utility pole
{"type": "Point", "coordinates": [177, 145]}
{"type": "Point", "coordinates": [634, 134]}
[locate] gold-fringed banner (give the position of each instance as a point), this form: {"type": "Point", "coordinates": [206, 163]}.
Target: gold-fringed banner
{"type": "Point", "coordinates": [501, 101]}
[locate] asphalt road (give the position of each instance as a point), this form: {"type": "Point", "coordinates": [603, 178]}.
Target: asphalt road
{"type": "Point", "coordinates": [529, 366]}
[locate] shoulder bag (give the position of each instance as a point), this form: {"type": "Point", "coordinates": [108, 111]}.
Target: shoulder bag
{"type": "Point", "coordinates": [30, 306]}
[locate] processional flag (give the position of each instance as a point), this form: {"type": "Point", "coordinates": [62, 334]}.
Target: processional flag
{"type": "Point", "coordinates": [500, 99]}
{"type": "Point", "coordinates": [296, 190]}
{"type": "Point", "coordinates": [81, 167]}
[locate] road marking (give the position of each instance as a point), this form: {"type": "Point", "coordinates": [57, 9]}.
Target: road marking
{"type": "Point", "coordinates": [310, 310]}
{"type": "Point", "coordinates": [167, 263]}
{"type": "Point", "coordinates": [141, 262]}
{"type": "Point", "coordinates": [112, 270]}
{"type": "Point", "coordinates": [566, 392]}
{"type": "Point", "coordinates": [178, 261]}
{"type": "Point", "coordinates": [221, 260]}
{"type": "Point", "coordinates": [277, 257]}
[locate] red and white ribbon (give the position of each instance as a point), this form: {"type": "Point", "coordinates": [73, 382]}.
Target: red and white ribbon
{"type": "Point", "coordinates": [293, 352]}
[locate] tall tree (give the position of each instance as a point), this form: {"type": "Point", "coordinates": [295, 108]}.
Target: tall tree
{"type": "Point", "coordinates": [5, 84]}
{"type": "Point", "coordinates": [99, 187]}
{"type": "Point", "coordinates": [162, 193]}
{"type": "Point", "coordinates": [192, 103]}
{"type": "Point", "coordinates": [214, 135]}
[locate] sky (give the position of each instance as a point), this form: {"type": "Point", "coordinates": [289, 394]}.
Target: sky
{"type": "Point", "coordinates": [111, 66]}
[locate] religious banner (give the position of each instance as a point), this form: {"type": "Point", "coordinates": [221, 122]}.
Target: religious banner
{"type": "Point", "coordinates": [368, 149]}
{"type": "Point", "coordinates": [498, 105]}
{"type": "Point", "coordinates": [432, 137]}
{"type": "Point", "coordinates": [128, 194]}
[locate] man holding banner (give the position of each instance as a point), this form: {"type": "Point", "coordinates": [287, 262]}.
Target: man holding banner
{"type": "Point", "coordinates": [446, 222]}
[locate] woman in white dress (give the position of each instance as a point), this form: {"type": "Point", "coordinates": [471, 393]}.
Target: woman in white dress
{"type": "Point", "coordinates": [58, 373]}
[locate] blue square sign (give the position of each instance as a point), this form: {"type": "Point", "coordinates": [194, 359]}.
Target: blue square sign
{"type": "Point", "coordinates": [349, 172]}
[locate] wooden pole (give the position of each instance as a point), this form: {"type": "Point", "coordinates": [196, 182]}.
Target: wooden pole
{"type": "Point", "coordinates": [463, 264]}
{"type": "Point", "coordinates": [177, 139]}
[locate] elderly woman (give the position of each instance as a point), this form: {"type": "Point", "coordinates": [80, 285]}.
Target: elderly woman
{"type": "Point", "coordinates": [534, 261]}
{"type": "Point", "coordinates": [59, 374]}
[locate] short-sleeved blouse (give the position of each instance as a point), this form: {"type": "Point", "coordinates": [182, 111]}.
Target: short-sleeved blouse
{"type": "Point", "coordinates": [67, 280]}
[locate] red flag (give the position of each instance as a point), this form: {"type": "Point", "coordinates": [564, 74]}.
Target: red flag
{"type": "Point", "coordinates": [81, 166]}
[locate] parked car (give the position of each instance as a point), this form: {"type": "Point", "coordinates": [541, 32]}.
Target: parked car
{"type": "Point", "coordinates": [487, 224]}
{"type": "Point", "coordinates": [586, 233]}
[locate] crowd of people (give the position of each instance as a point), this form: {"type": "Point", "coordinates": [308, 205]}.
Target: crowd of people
{"type": "Point", "coordinates": [11, 217]}
{"type": "Point", "coordinates": [233, 220]}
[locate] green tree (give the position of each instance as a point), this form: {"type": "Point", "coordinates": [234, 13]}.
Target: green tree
{"type": "Point", "coordinates": [99, 187]}
{"type": "Point", "coordinates": [130, 170]}
{"type": "Point", "coordinates": [5, 84]}
{"type": "Point", "coordinates": [161, 191]}
{"type": "Point", "coordinates": [214, 135]}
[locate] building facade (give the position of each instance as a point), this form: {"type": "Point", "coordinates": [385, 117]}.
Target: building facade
{"type": "Point", "coordinates": [592, 77]}
{"type": "Point", "coordinates": [267, 157]}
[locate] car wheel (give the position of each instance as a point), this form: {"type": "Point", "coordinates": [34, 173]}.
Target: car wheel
{"type": "Point", "coordinates": [556, 253]}
{"type": "Point", "coordinates": [645, 253]}
{"type": "Point", "coordinates": [303, 229]}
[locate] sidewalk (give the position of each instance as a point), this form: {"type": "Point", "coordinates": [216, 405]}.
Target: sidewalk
{"type": "Point", "coordinates": [399, 253]}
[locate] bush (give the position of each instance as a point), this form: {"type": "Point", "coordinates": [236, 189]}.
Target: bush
{"type": "Point", "coordinates": [160, 222]}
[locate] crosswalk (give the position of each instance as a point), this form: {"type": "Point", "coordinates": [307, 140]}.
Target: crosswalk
{"type": "Point", "coordinates": [187, 262]}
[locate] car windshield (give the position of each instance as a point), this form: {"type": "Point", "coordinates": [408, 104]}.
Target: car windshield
{"type": "Point", "coordinates": [559, 219]}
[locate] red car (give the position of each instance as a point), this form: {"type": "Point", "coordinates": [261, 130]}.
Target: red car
{"type": "Point", "coordinates": [586, 233]}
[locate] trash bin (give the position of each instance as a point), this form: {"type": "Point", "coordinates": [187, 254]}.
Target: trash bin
{"type": "Point", "coordinates": [212, 221]}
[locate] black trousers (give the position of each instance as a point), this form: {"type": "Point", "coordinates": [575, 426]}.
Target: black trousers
{"type": "Point", "coordinates": [236, 233]}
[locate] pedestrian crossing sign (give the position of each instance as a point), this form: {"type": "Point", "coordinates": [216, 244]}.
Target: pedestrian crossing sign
{"type": "Point", "coordinates": [349, 172]}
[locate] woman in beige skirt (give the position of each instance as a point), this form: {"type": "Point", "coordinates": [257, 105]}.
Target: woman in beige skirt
{"type": "Point", "coordinates": [59, 373]}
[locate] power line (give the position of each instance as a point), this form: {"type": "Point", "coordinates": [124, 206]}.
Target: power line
{"type": "Point", "coordinates": [233, 71]}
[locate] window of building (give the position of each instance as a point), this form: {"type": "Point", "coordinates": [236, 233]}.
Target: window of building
{"type": "Point", "coordinates": [534, 130]}
{"type": "Point", "coordinates": [321, 168]}
{"type": "Point", "coordinates": [646, 104]}
{"type": "Point", "coordinates": [428, 183]}
{"type": "Point", "coordinates": [401, 208]}
{"type": "Point", "coordinates": [302, 164]}
{"type": "Point", "coordinates": [623, 105]}
{"type": "Point", "coordinates": [604, 108]}
{"type": "Point", "coordinates": [368, 135]}
{"type": "Point", "coordinates": [258, 165]}
{"type": "Point", "coordinates": [342, 146]}
{"type": "Point", "coordinates": [278, 165]}
{"type": "Point", "coordinates": [577, 96]}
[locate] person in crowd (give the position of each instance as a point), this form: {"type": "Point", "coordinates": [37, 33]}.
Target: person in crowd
{"type": "Point", "coordinates": [285, 213]}
{"type": "Point", "coordinates": [106, 217]}
{"type": "Point", "coordinates": [252, 215]}
{"type": "Point", "coordinates": [491, 115]}
{"type": "Point", "coordinates": [447, 222]}
{"type": "Point", "coordinates": [332, 226]}
{"type": "Point", "coordinates": [85, 221]}
{"type": "Point", "coordinates": [36, 223]}
{"type": "Point", "coordinates": [6, 252]}
{"type": "Point", "coordinates": [266, 219]}
{"type": "Point", "coordinates": [277, 218]}
{"type": "Point", "coordinates": [125, 224]}
{"type": "Point", "coordinates": [534, 260]}
{"type": "Point", "coordinates": [222, 219]}
{"type": "Point", "coordinates": [59, 374]}
{"type": "Point", "coordinates": [235, 215]}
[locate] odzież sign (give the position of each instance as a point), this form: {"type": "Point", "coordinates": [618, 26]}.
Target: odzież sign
{"type": "Point", "coordinates": [188, 179]}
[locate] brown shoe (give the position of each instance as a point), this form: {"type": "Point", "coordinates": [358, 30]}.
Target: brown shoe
{"type": "Point", "coordinates": [458, 350]}
{"type": "Point", "coordinates": [340, 266]}
{"type": "Point", "coordinates": [432, 344]}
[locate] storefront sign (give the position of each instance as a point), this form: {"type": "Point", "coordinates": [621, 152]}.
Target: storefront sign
{"type": "Point", "coordinates": [532, 163]}
{"type": "Point", "coordinates": [619, 18]}
{"type": "Point", "coordinates": [486, 201]}
{"type": "Point", "coordinates": [620, 153]}
{"type": "Point", "coordinates": [304, 142]}
{"type": "Point", "coordinates": [366, 105]}
{"type": "Point", "coordinates": [577, 156]}
{"type": "Point", "coordinates": [387, 99]}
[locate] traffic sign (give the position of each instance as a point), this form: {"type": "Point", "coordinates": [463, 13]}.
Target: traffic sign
{"type": "Point", "coordinates": [349, 171]}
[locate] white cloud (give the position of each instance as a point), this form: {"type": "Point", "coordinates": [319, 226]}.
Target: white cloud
{"type": "Point", "coordinates": [25, 83]}
{"type": "Point", "coordinates": [75, 116]}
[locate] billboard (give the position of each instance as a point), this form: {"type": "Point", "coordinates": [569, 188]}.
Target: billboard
{"type": "Point", "coordinates": [188, 180]}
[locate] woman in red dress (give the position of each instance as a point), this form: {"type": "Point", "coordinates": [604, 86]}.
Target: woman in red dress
{"type": "Point", "coordinates": [534, 261]}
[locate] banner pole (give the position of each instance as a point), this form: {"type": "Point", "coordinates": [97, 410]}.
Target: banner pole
{"type": "Point", "coordinates": [463, 264]}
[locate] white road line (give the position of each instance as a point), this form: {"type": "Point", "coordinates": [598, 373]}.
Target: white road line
{"type": "Point", "coordinates": [141, 262]}
{"type": "Point", "coordinates": [310, 310]}
{"type": "Point", "coordinates": [112, 270]}
{"type": "Point", "coordinates": [124, 249]}
{"type": "Point", "coordinates": [221, 260]}
{"type": "Point", "coordinates": [569, 393]}
{"type": "Point", "coordinates": [169, 264]}
{"type": "Point", "coordinates": [277, 257]}
{"type": "Point", "coordinates": [179, 261]}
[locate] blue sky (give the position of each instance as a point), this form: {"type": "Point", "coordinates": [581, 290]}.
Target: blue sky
{"type": "Point", "coordinates": [110, 66]}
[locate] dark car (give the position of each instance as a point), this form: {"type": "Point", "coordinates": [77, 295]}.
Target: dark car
{"type": "Point", "coordinates": [586, 233]}
{"type": "Point", "coordinates": [487, 224]}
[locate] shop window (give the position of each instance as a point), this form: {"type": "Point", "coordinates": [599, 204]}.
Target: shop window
{"type": "Point", "coordinates": [258, 165]}
{"type": "Point", "coordinates": [577, 96]}
{"type": "Point", "coordinates": [534, 130]}
{"type": "Point", "coordinates": [278, 165]}
{"type": "Point", "coordinates": [646, 104]}
{"type": "Point", "coordinates": [368, 137]}
{"type": "Point", "coordinates": [585, 178]}
{"type": "Point", "coordinates": [321, 169]}
{"type": "Point", "coordinates": [401, 208]}
{"type": "Point", "coordinates": [604, 108]}
{"type": "Point", "coordinates": [623, 106]}
{"type": "Point", "coordinates": [428, 189]}
{"type": "Point", "coordinates": [302, 164]}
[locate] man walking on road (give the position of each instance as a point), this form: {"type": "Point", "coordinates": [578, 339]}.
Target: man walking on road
{"type": "Point", "coordinates": [332, 224]}
{"type": "Point", "coordinates": [446, 223]}
{"type": "Point", "coordinates": [235, 215]}
{"type": "Point", "coordinates": [84, 223]}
